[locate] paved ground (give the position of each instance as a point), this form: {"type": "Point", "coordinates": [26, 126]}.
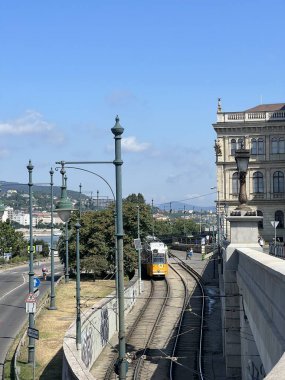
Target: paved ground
{"type": "Point", "coordinates": [13, 293]}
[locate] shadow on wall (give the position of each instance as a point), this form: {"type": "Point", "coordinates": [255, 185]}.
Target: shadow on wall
{"type": "Point", "coordinates": [54, 368]}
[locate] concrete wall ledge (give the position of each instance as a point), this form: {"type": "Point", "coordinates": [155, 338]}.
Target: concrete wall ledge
{"type": "Point", "coordinates": [277, 373]}
{"type": "Point", "coordinates": [98, 325]}
{"type": "Point", "coordinates": [261, 282]}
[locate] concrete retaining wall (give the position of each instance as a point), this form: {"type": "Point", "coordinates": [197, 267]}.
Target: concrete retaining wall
{"type": "Point", "coordinates": [98, 326]}
{"type": "Point", "coordinates": [261, 281]}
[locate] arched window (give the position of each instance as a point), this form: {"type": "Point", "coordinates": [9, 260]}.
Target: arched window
{"type": "Point", "coordinates": [274, 146]}
{"type": "Point", "coordinates": [278, 182]}
{"type": "Point", "coordinates": [233, 146]}
{"type": "Point", "coordinates": [258, 182]}
{"type": "Point", "coordinates": [279, 216]}
{"type": "Point", "coordinates": [260, 146]}
{"type": "Point", "coordinates": [260, 223]}
{"type": "Point", "coordinates": [235, 183]}
{"type": "Point", "coordinates": [253, 146]}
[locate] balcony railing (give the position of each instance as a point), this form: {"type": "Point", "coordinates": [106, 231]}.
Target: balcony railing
{"type": "Point", "coordinates": [228, 117]}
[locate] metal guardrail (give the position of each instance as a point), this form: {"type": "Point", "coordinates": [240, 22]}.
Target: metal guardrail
{"type": "Point", "coordinates": [277, 250]}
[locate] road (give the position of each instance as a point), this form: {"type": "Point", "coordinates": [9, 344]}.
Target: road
{"type": "Point", "coordinates": [13, 293]}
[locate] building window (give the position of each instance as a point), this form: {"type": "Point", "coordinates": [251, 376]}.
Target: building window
{"type": "Point", "coordinates": [279, 216]}
{"type": "Point", "coordinates": [257, 146]}
{"type": "Point", "coordinates": [260, 146]}
{"type": "Point", "coordinates": [235, 183]}
{"type": "Point", "coordinates": [277, 145]}
{"type": "Point", "coordinates": [281, 145]}
{"type": "Point", "coordinates": [258, 182]}
{"type": "Point", "coordinates": [260, 223]}
{"type": "Point", "coordinates": [274, 146]}
{"type": "Point", "coordinates": [278, 182]}
{"type": "Point", "coordinates": [233, 146]}
{"type": "Point", "coordinates": [253, 146]}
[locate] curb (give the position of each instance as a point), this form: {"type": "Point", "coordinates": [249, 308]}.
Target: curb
{"type": "Point", "coordinates": [44, 301]}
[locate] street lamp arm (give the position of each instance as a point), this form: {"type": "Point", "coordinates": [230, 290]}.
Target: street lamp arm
{"type": "Point", "coordinates": [89, 171]}
{"type": "Point", "coordinates": [83, 162]}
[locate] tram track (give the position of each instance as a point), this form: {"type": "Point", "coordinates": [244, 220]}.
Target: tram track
{"type": "Point", "coordinates": [141, 332]}
{"type": "Point", "coordinates": [187, 350]}
{"type": "Point", "coordinates": [164, 340]}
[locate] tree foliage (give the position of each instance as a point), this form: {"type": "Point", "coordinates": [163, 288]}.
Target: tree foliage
{"type": "Point", "coordinates": [12, 240]}
{"type": "Point", "coordinates": [175, 227]}
{"type": "Point", "coordinates": [97, 236]}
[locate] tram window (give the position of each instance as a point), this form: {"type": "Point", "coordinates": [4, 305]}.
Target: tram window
{"type": "Point", "coordinates": [158, 260]}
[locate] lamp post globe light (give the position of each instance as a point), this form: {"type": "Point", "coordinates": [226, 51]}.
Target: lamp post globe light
{"type": "Point", "coordinates": [64, 208]}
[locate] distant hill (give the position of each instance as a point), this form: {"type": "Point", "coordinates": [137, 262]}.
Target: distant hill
{"type": "Point", "coordinates": [43, 189]}
{"type": "Point", "coordinates": [178, 206]}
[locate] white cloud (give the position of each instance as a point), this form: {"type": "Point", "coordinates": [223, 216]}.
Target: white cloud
{"type": "Point", "coordinates": [130, 144]}
{"type": "Point", "coordinates": [31, 123]}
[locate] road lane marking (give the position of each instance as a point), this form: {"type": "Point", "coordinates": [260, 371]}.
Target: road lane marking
{"type": "Point", "coordinates": [17, 287]}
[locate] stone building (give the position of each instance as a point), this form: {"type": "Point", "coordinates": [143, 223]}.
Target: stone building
{"type": "Point", "coordinates": [262, 130]}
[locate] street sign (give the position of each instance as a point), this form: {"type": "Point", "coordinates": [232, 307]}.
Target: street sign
{"type": "Point", "coordinates": [274, 223]}
{"type": "Point", "coordinates": [37, 282]}
{"type": "Point", "coordinates": [31, 298]}
{"type": "Point", "coordinates": [36, 293]}
{"type": "Point", "coordinates": [31, 304]}
{"type": "Point", "coordinates": [39, 248]}
{"type": "Point", "coordinates": [33, 333]}
{"type": "Point", "coordinates": [138, 244]}
{"type": "Point", "coordinates": [31, 307]}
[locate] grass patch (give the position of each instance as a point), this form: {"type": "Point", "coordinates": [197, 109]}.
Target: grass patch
{"type": "Point", "coordinates": [52, 325]}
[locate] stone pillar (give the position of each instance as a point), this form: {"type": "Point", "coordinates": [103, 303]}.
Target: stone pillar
{"type": "Point", "coordinates": [244, 234]}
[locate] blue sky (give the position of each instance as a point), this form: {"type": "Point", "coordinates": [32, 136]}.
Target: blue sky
{"type": "Point", "coordinates": [69, 67]}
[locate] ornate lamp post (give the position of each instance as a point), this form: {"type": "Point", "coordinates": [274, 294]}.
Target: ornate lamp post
{"type": "Point", "coordinates": [78, 317]}
{"type": "Point", "coordinates": [152, 218]}
{"type": "Point", "coordinates": [242, 159]}
{"type": "Point", "coordinates": [117, 130]}
{"type": "Point", "coordinates": [218, 219]}
{"type": "Point", "coordinates": [64, 208]}
{"type": "Point", "coordinates": [31, 347]}
{"type": "Point", "coordinates": [139, 249]}
{"type": "Point", "coordinates": [52, 292]}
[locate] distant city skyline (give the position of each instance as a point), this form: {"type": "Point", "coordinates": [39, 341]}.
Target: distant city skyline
{"type": "Point", "coordinates": [68, 69]}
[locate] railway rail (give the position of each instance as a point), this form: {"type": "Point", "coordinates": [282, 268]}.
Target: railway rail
{"type": "Point", "coordinates": [165, 339]}
{"type": "Point", "coordinates": [187, 348]}
{"type": "Point", "coordinates": [142, 330]}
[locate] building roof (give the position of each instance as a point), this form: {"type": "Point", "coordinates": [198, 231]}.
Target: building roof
{"type": "Point", "coordinates": [267, 107]}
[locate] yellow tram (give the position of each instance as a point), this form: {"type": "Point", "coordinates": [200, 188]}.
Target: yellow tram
{"type": "Point", "coordinates": [155, 257]}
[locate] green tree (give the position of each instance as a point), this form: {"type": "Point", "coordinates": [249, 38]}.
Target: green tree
{"type": "Point", "coordinates": [97, 235]}
{"type": "Point", "coordinates": [12, 240]}
{"type": "Point", "coordinates": [95, 265]}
